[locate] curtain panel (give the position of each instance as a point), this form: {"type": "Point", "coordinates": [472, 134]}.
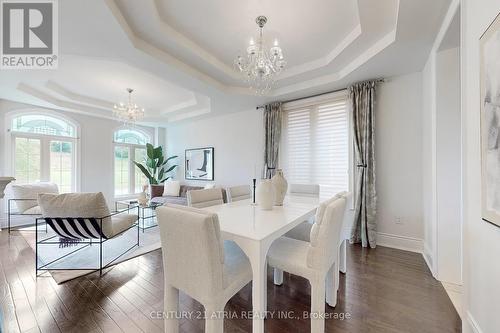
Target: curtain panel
{"type": "Point", "coordinates": [273, 116]}
{"type": "Point", "coordinates": [362, 103]}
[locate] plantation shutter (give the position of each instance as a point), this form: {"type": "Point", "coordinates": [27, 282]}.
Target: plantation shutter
{"type": "Point", "coordinates": [315, 143]}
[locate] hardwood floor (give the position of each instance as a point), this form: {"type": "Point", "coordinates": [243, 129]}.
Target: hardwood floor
{"type": "Point", "coordinates": [385, 290]}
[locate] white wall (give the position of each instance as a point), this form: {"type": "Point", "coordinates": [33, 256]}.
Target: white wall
{"type": "Point", "coordinates": [238, 142]}
{"type": "Point", "coordinates": [430, 144]}
{"type": "Point", "coordinates": [428, 163]}
{"type": "Point", "coordinates": [237, 139]}
{"type": "Point", "coordinates": [95, 147]}
{"type": "Point", "coordinates": [399, 154]}
{"type": "Point", "coordinates": [481, 239]}
{"type": "Point", "coordinates": [448, 168]}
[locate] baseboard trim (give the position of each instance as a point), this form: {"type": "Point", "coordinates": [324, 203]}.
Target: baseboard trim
{"type": "Point", "coordinates": [473, 326]}
{"type": "Point", "coordinates": [428, 260]}
{"type": "Point", "coordinates": [400, 242]}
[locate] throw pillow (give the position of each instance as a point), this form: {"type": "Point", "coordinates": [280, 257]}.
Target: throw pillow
{"type": "Point", "coordinates": [171, 188]}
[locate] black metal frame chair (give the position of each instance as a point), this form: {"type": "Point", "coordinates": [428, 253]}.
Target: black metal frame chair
{"type": "Point", "coordinates": [93, 236]}
{"type": "Point", "coordinates": [10, 214]}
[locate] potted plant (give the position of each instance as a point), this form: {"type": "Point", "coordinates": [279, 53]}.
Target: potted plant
{"type": "Point", "coordinates": [155, 168]}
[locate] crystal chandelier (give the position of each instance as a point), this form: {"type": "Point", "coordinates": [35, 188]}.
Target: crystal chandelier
{"type": "Point", "coordinates": [260, 66]}
{"type": "Point", "coordinates": [128, 112]}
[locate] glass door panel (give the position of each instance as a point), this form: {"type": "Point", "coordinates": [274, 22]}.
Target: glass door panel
{"type": "Point", "coordinates": [122, 180]}
{"type": "Point", "coordinates": [27, 160]}
{"type": "Point", "coordinates": [140, 179]}
{"type": "Point", "coordinates": [61, 165]}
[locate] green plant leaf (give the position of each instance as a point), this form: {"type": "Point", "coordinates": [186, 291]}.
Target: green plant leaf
{"type": "Point", "coordinates": [170, 158]}
{"type": "Point", "coordinates": [157, 152]}
{"type": "Point", "coordinates": [144, 171]}
{"type": "Point", "coordinates": [150, 163]}
{"type": "Point", "coordinates": [171, 168]}
{"type": "Point", "coordinates": [161, 173]}
{"type": "Point", "coordinates": [160, 161]}
{"type": "Point", "coordinates": [149, 150]}
{"type": "Point", "coordinates": [165, 179]}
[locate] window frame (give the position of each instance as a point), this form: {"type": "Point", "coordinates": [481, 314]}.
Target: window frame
{"type": "Point", "coordinates": [131, 150]}
{"type": "Point", "coordinates": [45, 140]}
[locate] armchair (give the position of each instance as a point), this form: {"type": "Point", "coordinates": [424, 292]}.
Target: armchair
{"type": "Point", "coordinates": [78, 219]}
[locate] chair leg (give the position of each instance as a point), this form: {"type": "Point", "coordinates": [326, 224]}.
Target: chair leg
{"type": "Point", "coordinates": [214, 320]}
{"type": "Point", "coordinates": [171, 308]}
{"type": "Point", "coordinates": [318, 305]}
{"type": "Point", "coordinates": [331, 286]}
{"type": "Point", "coordinates": [278, 277]}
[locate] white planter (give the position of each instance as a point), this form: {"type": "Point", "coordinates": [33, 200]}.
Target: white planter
{"type": "Point", "coordinates": [265, 194]}
{"type": "Point", "coordinates": [280, 187]}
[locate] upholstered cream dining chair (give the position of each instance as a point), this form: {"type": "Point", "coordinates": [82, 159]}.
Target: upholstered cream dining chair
{"type": "Point", "coordinates": [309, 190]}
{"type": "Point", "coordinates": [237, 193]}
{"type": "Point", "coordinates": [205, 197]}
{"type": "Point", "coordinates": [316, 259]}
{"type": "Point", "coordinates": [304, 189]}
{"type": "Point", "coordinates": [198, 262]}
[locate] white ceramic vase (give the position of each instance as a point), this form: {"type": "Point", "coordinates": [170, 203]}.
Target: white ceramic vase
{"type": "Point", "coordinates": [143, 198]}
{"type": "Point", "coordinates": [265, 194]}
{"type": "Point", "coordinates": [280, 187]}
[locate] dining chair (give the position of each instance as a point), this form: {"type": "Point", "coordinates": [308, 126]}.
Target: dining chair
{"type": "Point", "coordinates": [316, 259]}
{"type": "Point", "coordinates": [304, 189]}
{"type": "Point", "coordinates": [301, 231]}
{"type": "Point", "coordinates": [205, 197]}
{"type": "Point", "coordinates": [236, 193]}
{"type": "Point", "coordinates": [198, 262]}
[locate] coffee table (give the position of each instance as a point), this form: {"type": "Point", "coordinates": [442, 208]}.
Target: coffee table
{"type": "Point", "coordinates": [147, 213]}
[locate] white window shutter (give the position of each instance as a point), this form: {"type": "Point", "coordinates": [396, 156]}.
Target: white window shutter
{"type": "Point", "coordinates": [315, 144]}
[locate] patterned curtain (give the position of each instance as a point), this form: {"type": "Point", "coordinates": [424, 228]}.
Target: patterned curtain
{"type": "Point", "coordinates": [362, 102]}
{"type": "Point", "coordinates": [272, 128]}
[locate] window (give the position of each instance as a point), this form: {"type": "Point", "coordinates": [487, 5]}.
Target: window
{"type": "Point", "coordinates": [315, 143]}
{"type": "Point", "coordinates": [130, 146]}
{"type": "Point", "coordinates": [44, 150]}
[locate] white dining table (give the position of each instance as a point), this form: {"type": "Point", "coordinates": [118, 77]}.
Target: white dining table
{"type": "Point", "coordinates": [254, 230]}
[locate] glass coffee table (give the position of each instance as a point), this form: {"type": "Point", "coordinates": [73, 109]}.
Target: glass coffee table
{"type": "Point", "coordinates": [147, 213]}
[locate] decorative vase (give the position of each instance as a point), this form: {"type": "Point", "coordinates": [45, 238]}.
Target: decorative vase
{"type": "Point", "coordinates": [265, 194]}
{"type": "Point", "coordinates": [142, 199]}
{"type": "Point", "coordinates": [280, 187]}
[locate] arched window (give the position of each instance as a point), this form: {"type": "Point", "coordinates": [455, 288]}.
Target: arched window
{"type": "Point", "coordinates": [44, 149]}
{"type": "Point", "coordinates": [131, 136]}
{"type": "Point", "coordinates": [129, 146]}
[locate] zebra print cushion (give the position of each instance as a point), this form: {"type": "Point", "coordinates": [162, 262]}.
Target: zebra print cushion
{"type": "Point", "coordinates": [76, 228]}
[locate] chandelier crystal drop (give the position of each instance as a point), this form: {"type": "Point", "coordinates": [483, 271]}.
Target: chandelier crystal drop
{"type": "Point", "coordinates": [128, 112]}
{"type": "Point", "coordinates": [261, 64]}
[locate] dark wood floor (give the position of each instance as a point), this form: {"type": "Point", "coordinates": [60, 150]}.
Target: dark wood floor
{"type": "Point", "coordinates": [385, 290]}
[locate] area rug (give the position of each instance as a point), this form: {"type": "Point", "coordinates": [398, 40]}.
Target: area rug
{"type": "Point", "coordinates": [88, 256]}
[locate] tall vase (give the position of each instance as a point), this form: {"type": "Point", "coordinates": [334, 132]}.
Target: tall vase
{"type": "Point", "coordinates": [265, 194]}
{"type": "Point", "coordinates": [280, 187]}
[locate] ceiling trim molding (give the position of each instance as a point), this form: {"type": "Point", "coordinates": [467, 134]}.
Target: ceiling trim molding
{"type": "Point", "coordinates": [80, 106]}
{"type": "Point", "coordinates": [187, 115]}
{"type": "Point", "coordinates": [180, 106]}
{"type": "Point", "coordinates": [161, 55]}
{"type": "Point", "coordinates": [60, 104]}
{"type": "Point", "coordinates": [194, 47]}
{"type": "Point", "coordinates": [376, 48]}
{"type": "Point", "coordinates": [187, 43]}
{"type": "Point", "coordinates": [326, 60]}
{"type": "Point", "coordinates": [81, 99]}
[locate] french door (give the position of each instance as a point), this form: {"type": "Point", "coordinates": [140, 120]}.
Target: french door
{"type": "Point", "coordinates": [45, 158]}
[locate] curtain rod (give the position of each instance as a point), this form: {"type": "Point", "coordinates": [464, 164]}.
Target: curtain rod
{"type": "Point", "coordinates": [321, 94]}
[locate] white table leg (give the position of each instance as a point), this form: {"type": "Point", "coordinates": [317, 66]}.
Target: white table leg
{"type": "Point", "coordinates": [257, 252]}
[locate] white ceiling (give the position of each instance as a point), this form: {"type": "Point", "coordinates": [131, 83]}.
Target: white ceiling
{"type": "Point", "coordinates": [178, 54]}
